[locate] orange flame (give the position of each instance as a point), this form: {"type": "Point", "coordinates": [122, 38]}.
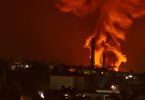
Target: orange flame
{"type": "Point", "coordinates": [102, 47]}
{"type": "Point", "coordinates": [114, 17]}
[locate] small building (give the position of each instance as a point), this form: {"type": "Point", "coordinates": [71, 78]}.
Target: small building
{"type": "Point", "coordinates": [102, 95]}
{"type": "Point", "coordinates": [56, 82]}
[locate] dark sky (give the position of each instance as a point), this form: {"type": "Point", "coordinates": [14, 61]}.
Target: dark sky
{"type": "Point", "coordinates": [35, 29]}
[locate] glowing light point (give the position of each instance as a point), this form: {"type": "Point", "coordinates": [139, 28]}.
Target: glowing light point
{"type": "Point", "coordinates": [41, 94]}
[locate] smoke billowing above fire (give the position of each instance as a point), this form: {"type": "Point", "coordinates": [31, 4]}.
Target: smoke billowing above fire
{"type": "Point", "coordinates": [113, 18]}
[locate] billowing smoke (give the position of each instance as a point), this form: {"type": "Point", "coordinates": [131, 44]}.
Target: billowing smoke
{"type": "Point", "coordinates": [115, 16]}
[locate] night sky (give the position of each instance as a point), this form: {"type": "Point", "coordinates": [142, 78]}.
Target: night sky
{"type": "Point", "coordinates": [35, 29]}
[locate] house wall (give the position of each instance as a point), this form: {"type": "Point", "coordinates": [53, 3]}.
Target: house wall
{"type": "Point", "coordinates": [56, 82]}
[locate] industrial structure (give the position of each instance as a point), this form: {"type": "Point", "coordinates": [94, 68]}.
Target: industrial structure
{"type": "Point", "coordinates": [30, 78]}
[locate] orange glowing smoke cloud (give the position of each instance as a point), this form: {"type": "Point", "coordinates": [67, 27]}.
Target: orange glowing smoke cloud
{"type": "Point", "coordinates": [114, 17]}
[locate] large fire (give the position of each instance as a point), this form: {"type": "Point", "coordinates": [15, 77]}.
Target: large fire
{"type": "Point", "coordinates": [113, 18]}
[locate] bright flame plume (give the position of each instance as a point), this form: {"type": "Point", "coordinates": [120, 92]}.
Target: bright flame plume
{"type": "Point", "coordinates": [113, 18]}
